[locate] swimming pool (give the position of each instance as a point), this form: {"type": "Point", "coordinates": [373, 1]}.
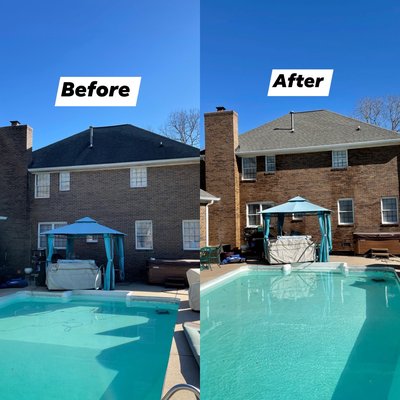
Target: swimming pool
{"type": "Point", "coordinates": [80, 346]}
{"type": "Point", "coordinates": [322, 333]}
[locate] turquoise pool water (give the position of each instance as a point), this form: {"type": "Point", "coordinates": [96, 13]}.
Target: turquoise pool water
{"type": "Point", "coordinates": [308, 335]}
{"type": "Point", "coordinates": [84, 348]}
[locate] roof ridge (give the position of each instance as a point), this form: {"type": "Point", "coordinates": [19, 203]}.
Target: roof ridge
{"type": "Point", "coordinates": [363, 122]}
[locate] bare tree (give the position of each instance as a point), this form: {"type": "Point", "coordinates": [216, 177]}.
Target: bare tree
{"type": "Point", "coordinates": [183, 126]}
{"type": "Point", "coordinates": [393, 112]}
{"type": "Point", "coordinates": [384, 112]}
{"type": "Point", "coordinates": [370, 110]}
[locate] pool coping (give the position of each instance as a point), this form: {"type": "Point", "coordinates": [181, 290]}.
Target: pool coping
{"type": "Point", "coordinates": [126, 295]}
{"type": "Point", "coordinates": [334, 267]}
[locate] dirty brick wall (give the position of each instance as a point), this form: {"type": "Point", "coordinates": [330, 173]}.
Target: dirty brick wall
{"type": "Point", "coordinates": [171, 196]}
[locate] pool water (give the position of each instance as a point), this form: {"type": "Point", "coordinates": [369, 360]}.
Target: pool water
{"type": "Point", "coordinates": [307, 335]}
{"type": "Point", "coordinates": [84, 349]}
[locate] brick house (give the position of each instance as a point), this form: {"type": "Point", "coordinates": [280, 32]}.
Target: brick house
{"type": "Point", "coordinates": [206, 200]}
{"type": "Point", "coordinates": [130, 179]}
{"type": "Point", "coordinates": [340, 163]}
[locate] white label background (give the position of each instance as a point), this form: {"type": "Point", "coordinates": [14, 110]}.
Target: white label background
{"type": "Point", "coordinates": [322, 90]}
{"type": "Point", "coordinates": [133, 82]}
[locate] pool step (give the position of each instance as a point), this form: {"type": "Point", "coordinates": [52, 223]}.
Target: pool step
{"type": "Point", "coordinates": [379, 252]}
{"type": "Point", "coordinates": [175, 282]}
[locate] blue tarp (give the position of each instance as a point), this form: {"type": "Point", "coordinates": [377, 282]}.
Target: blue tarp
{"type": "Point", "coordinates": [300, 206]}
{"type": "Point", "coordinates": [88, 226]}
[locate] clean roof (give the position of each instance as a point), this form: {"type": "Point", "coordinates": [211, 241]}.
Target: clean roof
{"type": "Point", "coordinates": [311, 128]}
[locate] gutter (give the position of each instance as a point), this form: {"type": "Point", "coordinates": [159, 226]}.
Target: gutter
{"type": "Point", "coordinates": [92, 167]}
{"type": "Point", "coordinates": [315, 149]}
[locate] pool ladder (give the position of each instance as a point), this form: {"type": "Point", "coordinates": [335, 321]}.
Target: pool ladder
{"type": "Point", "coordinates": [182, 386]}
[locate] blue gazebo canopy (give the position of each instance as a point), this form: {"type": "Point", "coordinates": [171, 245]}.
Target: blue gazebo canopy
{"type": "Point", "coordinates": [300, 206]}
{"type": "Point", "coordinates": [88, 226]}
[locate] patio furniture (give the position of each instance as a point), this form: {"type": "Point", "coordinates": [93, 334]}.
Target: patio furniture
{"type": "Point", "coordinates": [73, 275]}
{"type": "Point", "coordinates": [193, 277]}
{"type": "Point", "coordinates": [210, 255]}
{"type": "Point", "coordinates": [192, 333]}
{"type": "Point", "coordinates": [289, 249]}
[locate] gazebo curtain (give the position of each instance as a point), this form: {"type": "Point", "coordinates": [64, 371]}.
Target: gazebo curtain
{"type": "Point", "coordinates": [50, 247]}
{"type": "Point", "coordinates": [324, 220]}
{"type": "Point", "coordinates": [119, 241]}
{"type": "Point", "coordinates": [109, 276]}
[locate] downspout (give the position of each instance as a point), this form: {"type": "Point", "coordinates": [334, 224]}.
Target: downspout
{"type": "Point", "coordinates": [208, 204]}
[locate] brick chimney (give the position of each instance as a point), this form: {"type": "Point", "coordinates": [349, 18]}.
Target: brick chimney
{"type": "Point", "coordinates": [15, 157]}
{"type": "Point", "coordinates": [222, 176]}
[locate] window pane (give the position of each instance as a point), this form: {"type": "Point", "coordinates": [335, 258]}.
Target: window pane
{"type": "Point", "coordinates": [60, 242]}
{"type": "Point", "coordinates": [138, 177]}
{"type": "Point", "coordinates": [346, 214]}
{"type": "Point", "coordinates": [339, 159]}
{"type": "Point", "coordinates": [270, 163]}
{"type": "Point", "coordinates": [389, 210]}
{"type": "Point", "coordinates": [64, 181]}
{"type": "Point", "coordinates": [42, 185]}
{"type": "Point", "coordinates": [144, 234]}
{"type": "Point", "coordinates": [191, 235]}
{"type": "Point", "coordinates": [249, 166]}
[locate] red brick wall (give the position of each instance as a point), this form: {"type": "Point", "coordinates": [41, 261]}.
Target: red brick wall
{"type": "Point", "coordinates": [172, 195]}
{"type": "Point", "coordinates": [16, 154]}
{"type": "Point", "coordinates": [372, 173]}
{"type": "Point", "coordinates": [222, 177]}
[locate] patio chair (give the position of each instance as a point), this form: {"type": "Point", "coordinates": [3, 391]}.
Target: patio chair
{"type": "Point", "coordinates": [210, 255]}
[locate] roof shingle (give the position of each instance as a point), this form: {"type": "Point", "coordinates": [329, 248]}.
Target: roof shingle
{"type": "Point", "coordinates": [311, 128]}
{"type": "Point", "coordinates": [111, 144]}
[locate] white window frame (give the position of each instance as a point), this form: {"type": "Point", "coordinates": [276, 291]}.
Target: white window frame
{"type": "Point", "coordinates": [244, 168]}
{"type": "Point", "coordinates": [64, 185]}
{"type": "Point", "coordinates": [47, 192]}
{"type": "Point", "coordinates": [53, 224]}
{"type": "Point", "coordinates": [183, 234]}
{"type": "Point", "coordinates": [136, 236]}
{"type": "Point", "coordinates": [397, 210]}
{"type": "Point", "coordinates": [333, 159]}
{"type": "Point", "coordinates": [92, 239]}
{"type": "Point", "coordinates": [270, 171]}
{"type": "Point", "coordinates": [260, 204]}
{"type": "Point", "coordinates": [297, 217]}
{"type": "Point", "coordinates": [341, 211]}
{"type": "Point", "coordinates": [138, 181]}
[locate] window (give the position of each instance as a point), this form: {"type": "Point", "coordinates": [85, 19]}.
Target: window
{"type": "Point", "coordinates": [138, 177]}
{"type": "Point", "coordinates": [64, 181]}
{"type": "Point", "coordinates": [297, 216]}
{"type": "Point", "coordinates": [91, 239]}
{"type": "Point", "coordinates": [389, 209]}
{"type": "Point", "coordinates": [42, 185]}
{"type": "Point", "coordinates": [249, 168]}
{"type": "Point", "coordinates": [191, 234]}
{"type": "Point", "coordinates": [346, 211]}
{"type": "Point", "coordinates": [252, 210]}
{"type": "Point", "coordinates": [144, 235]}
{"type": "Point", "coordinates": [339, 159]}
{"type": "Point", "coordinates": [60, 242]}
{"type": "Point", "coordinates": [270, 164]}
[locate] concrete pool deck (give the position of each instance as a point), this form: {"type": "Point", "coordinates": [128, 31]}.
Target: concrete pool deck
{"type": "Point", "coordinates": [182, 366]}
{"type": "Point", "coordinates": [352, 261]}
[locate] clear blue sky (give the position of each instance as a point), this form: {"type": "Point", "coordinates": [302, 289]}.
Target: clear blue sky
{"type": "Point", "coordinates": [242, 41]}
{"type": "Point", "coordinates": [43, 40]}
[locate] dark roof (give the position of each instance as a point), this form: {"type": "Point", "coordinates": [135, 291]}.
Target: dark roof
{"type": "Point", "coordinates": [311, 128]}
{"type": "Point", "coordinates": [111, 144]}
